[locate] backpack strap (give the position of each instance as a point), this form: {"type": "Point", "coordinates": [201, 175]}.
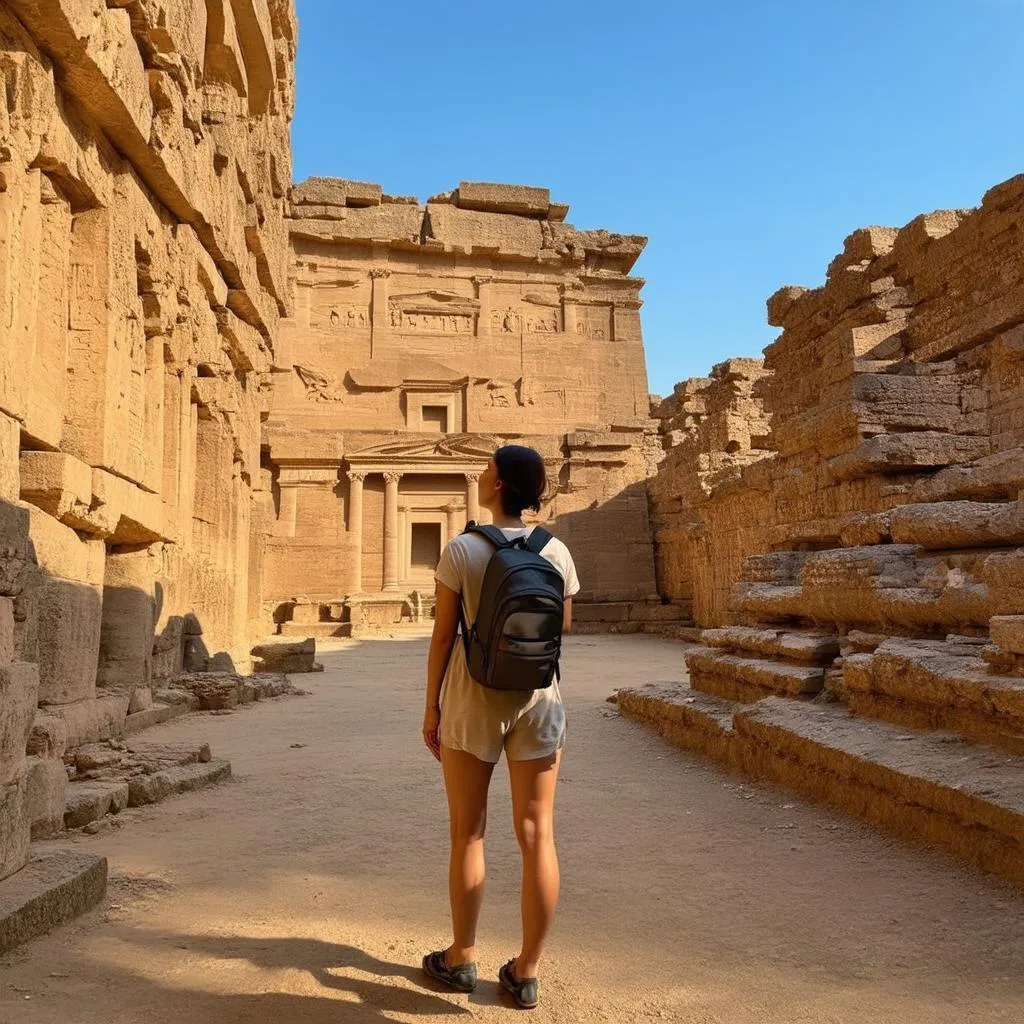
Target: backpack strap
{"type": "Point", "coordinates": [538, 539]}
{"type": "Point", "coordinates": [492, 533]}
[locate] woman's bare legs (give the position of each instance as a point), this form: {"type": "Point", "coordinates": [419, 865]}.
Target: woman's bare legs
{"type": "Point", "coordinates": [466, 780]}
{"type": "Point", "coordinates": [533, 810]}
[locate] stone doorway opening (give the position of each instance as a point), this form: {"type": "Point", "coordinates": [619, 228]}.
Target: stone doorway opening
{"type": "Point", "coordinates": [424, 552]}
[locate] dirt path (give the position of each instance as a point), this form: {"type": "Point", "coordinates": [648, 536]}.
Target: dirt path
{"type": "Point", "coordinates": [307, 888]}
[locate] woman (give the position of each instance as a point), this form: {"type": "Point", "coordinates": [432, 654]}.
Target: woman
{"type": "Point", "coordinates": [468, 730]}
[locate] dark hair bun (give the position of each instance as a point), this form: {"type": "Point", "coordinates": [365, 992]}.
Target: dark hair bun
{"type": "Point", "coordinates": [523, 478]}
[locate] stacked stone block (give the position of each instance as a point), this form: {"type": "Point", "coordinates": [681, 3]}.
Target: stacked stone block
{"type": "Point", "coordinates": [143, 272]}
{"type": "Point", "coordinates": [868, 653]}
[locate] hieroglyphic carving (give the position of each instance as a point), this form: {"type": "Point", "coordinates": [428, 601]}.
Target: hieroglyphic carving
{"type": "Point", "coordinates": [435, 323]}
{"type": "Point", "coordinates": [348, 316]}
{"type": "Point", "coordinates": [534, 321]}
{"type": "Point", "coordinates": [504, 394]}
{"type": "Point", "coordinates": [320, 387]}
{"type": "Point", "coordinates": [507, 320]}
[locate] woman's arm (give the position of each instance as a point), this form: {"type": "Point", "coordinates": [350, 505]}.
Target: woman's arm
{"type": "Point", "coordinates": [446, 623]}
{"type": "Point", "coordinates": [567, 616]}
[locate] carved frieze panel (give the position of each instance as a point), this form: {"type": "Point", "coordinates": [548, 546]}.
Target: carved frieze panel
{"type": "Point", "coordinates": [348, 317]}
{"type": "Point", "coordinates": [320, 386]}
{"type": "Point", "coordinates": [433, 312]}
{"type": "Point", "coordinates": [503, 394]}
{"type": "Point", "coordinates": [594, 322]}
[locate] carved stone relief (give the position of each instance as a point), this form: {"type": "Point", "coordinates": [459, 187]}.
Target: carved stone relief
{"type": "Point", "coordinates": [529, 321]}
{"type": "Point", "coordinates": [349, 317]}
{"type": "Point", "coordinates": [503, 394]}
{"type": "Point", "coordinates": [320, 387]}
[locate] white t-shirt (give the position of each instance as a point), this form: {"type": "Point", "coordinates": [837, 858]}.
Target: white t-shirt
{"type": "Point", "coordinates": [475, 718]}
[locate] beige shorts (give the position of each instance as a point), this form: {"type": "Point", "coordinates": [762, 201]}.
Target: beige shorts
{"type": "Point", "coordinates": [483, 722]}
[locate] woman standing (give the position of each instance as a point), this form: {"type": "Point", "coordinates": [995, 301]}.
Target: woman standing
{"type": "Point", "coordinates": [467, 726]}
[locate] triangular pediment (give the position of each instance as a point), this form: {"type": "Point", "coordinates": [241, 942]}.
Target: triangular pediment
{"type": "Point", "coordinates": [457, 447]}
{"type": "Point", "coordinates": [389, 374]}
{"type": "Point", "coordinates": [432, 296]}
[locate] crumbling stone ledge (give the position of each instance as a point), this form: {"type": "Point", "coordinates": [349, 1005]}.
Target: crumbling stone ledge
{"type": "Point", "coordinates": [934, 788]}
{"type": "Point", "coordinates": [55, 886]}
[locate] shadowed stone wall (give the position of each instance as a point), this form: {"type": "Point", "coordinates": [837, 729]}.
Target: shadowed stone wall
{"type": "Point", "coordinates": [144, 168]}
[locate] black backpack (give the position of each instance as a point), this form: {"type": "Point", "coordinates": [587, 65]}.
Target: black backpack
{"type": "Point", "coordinates": [517, 637]}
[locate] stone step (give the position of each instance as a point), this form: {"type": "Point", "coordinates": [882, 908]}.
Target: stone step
{"type": "Point", "coordinates": [685, 717]}
{"type": "Point", "coordinates": [744, 679]}
{"type": "Point", "coordinates": [315, 629]}
{"type": "Point", "coordinates": [154, 715]}
{"type": "Point", "coordinates": [929, 787]}
{"type": "Point", "coordinates": [87, 801]}
{"type": "Point", "coordinates": [55, 886]}
{"type": "Point", "coordinates": [157, 786]}
{"type": "Point", "coordinates": [818, 648]}
{"type": "Point", "coordinates": [927, 685]}
{"type": "Point", "coordinates": [879, 587]}
{"type": "Point", "coordinates": [958, 524]}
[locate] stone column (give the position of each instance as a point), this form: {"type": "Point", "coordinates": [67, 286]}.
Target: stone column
{"type": "Point", "coordinates": [355, 523]}
{"type": "Point", "coordinates": [473, 497]}
{"type": "Point", "coordinates": [483, 294]}
{"type": "Point", "coordinates": [379, 305]}
{"type": "Point", "coordinates": [391, 530]}
{"type": "Point", "coordinates": [404, 554]}
{"type": "Point", "coordinates": [452, 512]}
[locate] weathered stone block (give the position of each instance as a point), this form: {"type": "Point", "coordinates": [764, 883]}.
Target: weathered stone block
{"type": "Point", "coordinates": [335, 192]}
{"type": "Point", "coordinates": [60, 552]}
{"type": "Point", "coordinates": [46, 788]}
{"type": "Point", "coordinates": [14, 824]}
{"type": "Point", "coordinates": [90, 721]}
{"type": "Point", "coordinates": [286, 657]}
{"type": "Point", "coordinates": [10, 433]}
{"type": "Point", "coordinates": [129, 612]}
{"type": "Point", "coordinates": [6, 629]}
{"type": "Point", "coordinates": [57, 483]}
{"type": "Point", "coordinates": [55, 886]}
{"type": "Point", "coordinates": [1008, 632]}
{"type": "Point", "coordinates": [70, 618]}
{"type": "Point", "coordinates": [497, 198]}
{"type": "Point", "coordinates": [149, 789]}
{"type": "Point", "coordinates": [48, 738]}
{"type": "Point", "coordinates": [19, 690]}
{"type": "Point", "coordinates": [87, 801]}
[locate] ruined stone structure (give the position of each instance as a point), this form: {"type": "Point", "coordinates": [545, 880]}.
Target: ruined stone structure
{"type": "Point", "coordinates": [424, 335]}
{"type": "Point", "coordinates": [144, 168]}
{"type": "Point", "coordinates": [861, 576]}
{"type": "Point", "coordinates": [711, 428]}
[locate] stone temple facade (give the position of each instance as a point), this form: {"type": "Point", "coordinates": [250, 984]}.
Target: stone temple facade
{"type": "Point", "coordinates": [423, 336]}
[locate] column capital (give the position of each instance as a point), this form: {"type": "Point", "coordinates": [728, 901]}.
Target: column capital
{"type": "Point", "coordinates": [473, 477]}
{"type": "Point", "coordinates": [357, 476]}
{"type": "Point", "coordinates": [392, 477]}
{"type": "Point", "coordinates": [482, 279]}
{"type": "Point", "coordinates": [380, 272]}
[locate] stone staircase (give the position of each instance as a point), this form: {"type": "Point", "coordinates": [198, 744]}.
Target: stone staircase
{"type": "Point", "coordinates": [922, 736]}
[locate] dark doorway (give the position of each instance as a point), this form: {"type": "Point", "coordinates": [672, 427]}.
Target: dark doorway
{"type": "Point", "coordinates": [426, 546]}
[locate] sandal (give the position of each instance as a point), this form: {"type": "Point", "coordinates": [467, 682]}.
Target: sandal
{"type": "Point", "coordinates": [522, 990]}
{"type": "Point", "coordinates": [461, 978]}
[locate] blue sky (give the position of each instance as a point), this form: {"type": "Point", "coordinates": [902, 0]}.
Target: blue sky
{"type": "Point", "coordinates": [746, 138]}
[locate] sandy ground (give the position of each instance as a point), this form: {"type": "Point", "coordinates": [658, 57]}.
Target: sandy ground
{"type": "Point", "coordinates": [308, 887]}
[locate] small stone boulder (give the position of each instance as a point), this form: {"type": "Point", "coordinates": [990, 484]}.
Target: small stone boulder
{"type": "Point", "coordinates": [289, 658]}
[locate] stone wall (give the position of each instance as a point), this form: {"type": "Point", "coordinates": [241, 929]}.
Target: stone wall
{"type": "Point", "coordinates": [711, 427]}
{"type": "Point", "coordinates": [144, 167]}
{"type": "Point", "coordinates": [872, 558]}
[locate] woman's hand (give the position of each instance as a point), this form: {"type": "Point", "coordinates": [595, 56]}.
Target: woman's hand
{"type": "Point", "coordinates": [431, 730]}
